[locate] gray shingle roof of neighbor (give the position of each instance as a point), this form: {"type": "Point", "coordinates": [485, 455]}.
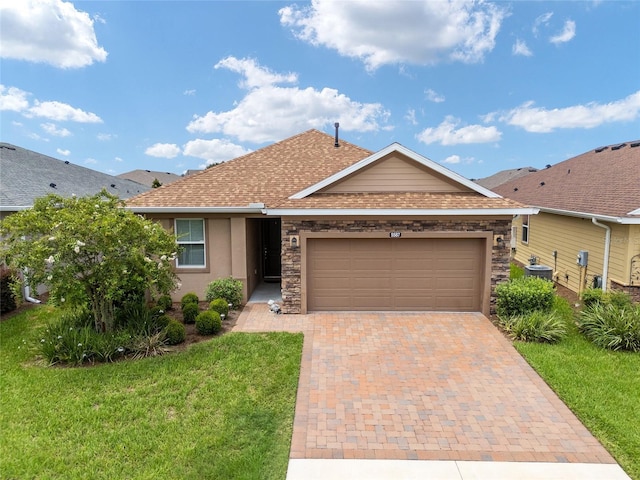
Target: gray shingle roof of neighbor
{"type": "Point", "coordinates": [26, 175]}
{"type": "Point", "coordinates": [603, 181]}
{"type": "Point", "coordinates": [504, 176]}
{"type": "Point", "coordinates": [146, 177]}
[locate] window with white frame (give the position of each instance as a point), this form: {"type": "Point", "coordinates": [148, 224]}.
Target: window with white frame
{"type": "Point", "coordinates": [190, 234]}
{"type": "Point", "coordinates": [525, 229]}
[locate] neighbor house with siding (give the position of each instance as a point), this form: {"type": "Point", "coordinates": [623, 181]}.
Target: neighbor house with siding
{"type": "Point", "coordinates": [588, 228]}
{"type": "Point", "coordinates": [341, 227]}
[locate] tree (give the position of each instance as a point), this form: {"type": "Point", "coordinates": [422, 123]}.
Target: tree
{"type": "Point", "coordinates": [89, 251]}
{"type": "Point", "coordinates": [156, 183]}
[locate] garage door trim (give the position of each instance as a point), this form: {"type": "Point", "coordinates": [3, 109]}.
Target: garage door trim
{"type": "Point", "coordinates": [487, 236]}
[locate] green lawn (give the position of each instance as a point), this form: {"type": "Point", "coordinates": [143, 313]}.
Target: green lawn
{"type": "Point", "coordinates": [600, 386]}
{"type": "Point", "coordinates": [221, 409]}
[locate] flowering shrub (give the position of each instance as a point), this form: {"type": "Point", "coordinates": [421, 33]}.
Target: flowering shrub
{"type": "Point", "coordinates": [89, 251]}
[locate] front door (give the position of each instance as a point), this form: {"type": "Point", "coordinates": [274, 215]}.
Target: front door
{"type": "Point", "coordinates": [271, 249]}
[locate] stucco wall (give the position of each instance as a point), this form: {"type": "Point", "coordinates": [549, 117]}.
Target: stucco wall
{"type": "Point", "coordinates": [292, 255]}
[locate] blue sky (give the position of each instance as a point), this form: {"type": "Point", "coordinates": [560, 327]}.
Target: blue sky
{"type": "Point", "coordinates": [173, 85]}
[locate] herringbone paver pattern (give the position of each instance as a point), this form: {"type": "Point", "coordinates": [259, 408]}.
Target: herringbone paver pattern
{"type": "Point", "coordinates": [427, 386]}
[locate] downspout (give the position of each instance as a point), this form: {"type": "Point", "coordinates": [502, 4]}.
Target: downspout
{"type": "Point", "coordinates": [27, 290]}
{"type": "Point", "coordinates": [607, 248]}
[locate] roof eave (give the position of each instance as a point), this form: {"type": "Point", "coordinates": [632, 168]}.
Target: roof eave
{"type": "Point", "coordinates": [604, 218]}
{"type": "Point", "coordinates": [254, 208]}
{"type": "Point", "coordinates": [315, 212]}
{"type": "Point", "coordinates": [14, 208]}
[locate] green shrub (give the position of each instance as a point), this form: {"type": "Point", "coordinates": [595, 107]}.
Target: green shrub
{"type": "Point", "coordinates": [612, 326]}
{"type": "Point", "coordinates": [515, 271]}
{"type": "Point", "coordinates": [536, 326]}
{"type": "Point", "coordinates": [175, 332]}
{"type": "Point", "coordinates": [208, 323]}
{"type": "Point", "coordinates": [219, 305]}
{"type": "Point", "coordinates": [165, 302]}
{"type": "Point", "coordinates": [7, 297]}
{"type": "Point", "coordinates": [161, 322]}
{"type": "Point", "coordinates": [190, 312]}
{"type": "Point", "coordinates": [229, 289]}
{"type": "Point", "coordinates": [136, 318]}
{"type": "Point", "coordinates": [189, 298]}
{"type": "Point", "coordinates": [592, 296]}
{"type": "Point", "coordinates": [524, 295]}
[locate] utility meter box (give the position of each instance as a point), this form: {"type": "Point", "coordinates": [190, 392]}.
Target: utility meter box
{"type": "Point", "coordinates": [583, 258]}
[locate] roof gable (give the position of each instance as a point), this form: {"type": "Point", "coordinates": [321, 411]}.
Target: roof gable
{"type": "Point", "coordinates": [411, 172]}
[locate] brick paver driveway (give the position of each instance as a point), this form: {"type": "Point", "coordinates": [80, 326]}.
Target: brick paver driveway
{"type": "Point", "coordinates": [430, 386]}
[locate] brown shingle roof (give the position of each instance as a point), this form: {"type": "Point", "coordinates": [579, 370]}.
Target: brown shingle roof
{"type": "Point", "coordinates": [600, 182]}
{"type": "Point", "coordinates": [267, 176]}
{"type": "Point", "coordinates": [400, 200]}
{"type": "Point", "coordinates": [274, 173]}
{"type": "Point", "coordinates": [504, 176]}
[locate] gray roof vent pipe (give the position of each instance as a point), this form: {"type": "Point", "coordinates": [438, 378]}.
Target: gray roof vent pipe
{"type": "Point", "coordinates": [336, 144]}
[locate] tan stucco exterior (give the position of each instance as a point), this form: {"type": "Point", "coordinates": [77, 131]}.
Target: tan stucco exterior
{"type": "Point", "coordinates": [567, 235]}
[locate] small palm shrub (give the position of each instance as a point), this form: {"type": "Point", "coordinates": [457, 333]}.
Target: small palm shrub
{"type": "Point", "coordinates": [189, 298]}
{"type": "Point", "coordinates": [149, 345]}
{"type": "Point", "coordinates": [536, 326]}
{"type": "Point", "coordinates": [208, 323]}
{"type": "Point", "coordinates": [611, 326]}
{"type": "Point", "coordinates": [219, 305]}
{"type": "Point", "coordinates": [524, 295]}
{"type": "Point", "coordinates": [175, 332]}
{"type": "Point", "coordinates": [189, 312]}
{"type": "Point", "coordinates": [165, 302]}
{"type": "Point", "coordinates": [229, 289]}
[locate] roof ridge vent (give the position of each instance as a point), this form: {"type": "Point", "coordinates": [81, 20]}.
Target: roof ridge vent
{"type": "Point", "coordinates": [600, 149]}
{"type": "Point", "coordinates": [634, 144]}
{"type": "Point", "coordinates": [618, 147]}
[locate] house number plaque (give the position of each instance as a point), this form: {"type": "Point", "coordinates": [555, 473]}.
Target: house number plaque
{"type": "Point", "coordinates": [395, 234]}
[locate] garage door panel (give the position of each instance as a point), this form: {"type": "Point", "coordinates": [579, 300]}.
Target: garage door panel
{"type": "Point", "coordinates": [395, 274]}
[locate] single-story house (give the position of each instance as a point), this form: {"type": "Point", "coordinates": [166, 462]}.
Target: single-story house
{"type": "Point", "coordinates": [588, 228]}
{"type": "Point", "coordinates": [342, 227]}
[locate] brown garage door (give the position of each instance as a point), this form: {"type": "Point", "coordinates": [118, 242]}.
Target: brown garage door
{"type": "Point", "coordinates": [395, 274]}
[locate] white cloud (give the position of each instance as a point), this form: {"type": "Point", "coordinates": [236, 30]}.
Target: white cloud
{"type": "Point", "coordinates": [568, 32]}
{"type": "Point", "coordinates": [542, 120]}
{"type": "Point", "coordinates": [64, 153]}
{"type": "Point", "coordinates": [190, 92]}
{"type": "Point", "coordinates": [447, 133]}
{"type": "Point", "coordinates": [541, 20]}
{"type": "Point", "coordinates": [521, 48]}
{"type": "Point", "coordinates": [105, 137]}
{"type": "Point", "coordinates": [118, 159]}
{"type": "Point", "coordinates": [91, 161]}
{"type": "Point", "coordinates": [52, 129]}
{"type": "Point", "coordinates": [13, 99]}
{"type": "Point", "coordinates": [270, 112]}
{"type": "Point", "coordinates": [433, 96]}
{"type": "Point", "coordinates": [163, 150]}
{"type": "Point", "coordinates": [48, 31]}
{"type": "Point", "coordinates": [61, 112]}
{"type": "Point", "coordinates": [411, 117]}
{"type": "Point", "coordinates": [430, 32]}
{"type": "Point", "coordinates": [452, 159]}
{"type": "Point", "coordinates": [213, 151]}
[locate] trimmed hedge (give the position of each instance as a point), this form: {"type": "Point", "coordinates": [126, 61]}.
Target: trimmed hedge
{"type": "Point", "coordinates": [189, 312]}
{"type": "Point", "coordinates": [208, 323]}
{"type": "Point", "coordinates": [175, 332]}
{"type": "Point", "coordinates": [220, 305]}
{"type": "Point", "coordinates": [521, 296]}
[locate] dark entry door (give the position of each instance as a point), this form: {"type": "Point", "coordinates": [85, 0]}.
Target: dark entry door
{"type": "Point", "coordinates": [271, 246]}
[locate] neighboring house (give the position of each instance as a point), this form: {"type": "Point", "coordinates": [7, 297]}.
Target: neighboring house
{"type": "Point", "coordinates": [504, 176]}
{"type": "Point", "coordinates": [147, 177]}
{"type": "Point", "coordinates": [589, 203]}
{"type": "Point", "coordinates": [27, 175]}
{"type": "Point", "coordinates": [344, 228]}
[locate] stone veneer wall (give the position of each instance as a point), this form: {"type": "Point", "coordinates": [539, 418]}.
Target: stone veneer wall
{"type": "Point", "coordinates": [632, 290]}
{"type": "Point", "coordinates": [291, 256]}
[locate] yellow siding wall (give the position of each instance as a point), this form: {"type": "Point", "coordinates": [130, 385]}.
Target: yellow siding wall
{"type": "Point", "coordinates": [568, 235]}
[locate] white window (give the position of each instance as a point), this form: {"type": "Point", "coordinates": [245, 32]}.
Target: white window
{"type": "Point", "coordinates": [190, 234]}
{"type": "Point", "coordinates": [525, 229]}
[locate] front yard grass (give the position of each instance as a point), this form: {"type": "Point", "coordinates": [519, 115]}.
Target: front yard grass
{"type": "Point", "coordinates": [221, 409]}
{"type": "Point", "coordinates": [600, 386]}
